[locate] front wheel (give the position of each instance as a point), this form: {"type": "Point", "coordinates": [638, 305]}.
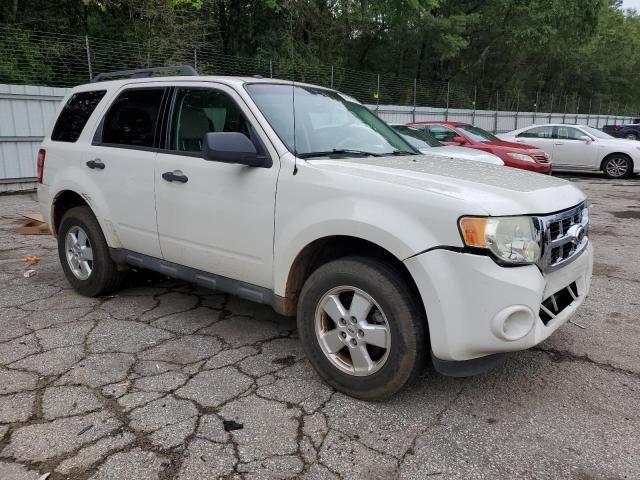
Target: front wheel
{"type": "Point", "coordinates": [617, 166]}
{"type": "Point", "coordinates": [631, 136]}
{"type": "Point", "coordinates": [84, 254]}
{"type": "Point", "coordinates": [362, 327]}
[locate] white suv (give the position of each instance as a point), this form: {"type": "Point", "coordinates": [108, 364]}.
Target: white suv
{"type": "Point", "coordinates": [299, 197]}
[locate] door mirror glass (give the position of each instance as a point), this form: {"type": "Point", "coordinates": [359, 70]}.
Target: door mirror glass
{"type": "Point", "coordinates": [231, 147]}
{"type": "Point", "coordinates": [586, 139]}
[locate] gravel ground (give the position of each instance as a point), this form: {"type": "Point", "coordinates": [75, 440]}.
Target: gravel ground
{"type": "Point", "coordinates": [138, 385]}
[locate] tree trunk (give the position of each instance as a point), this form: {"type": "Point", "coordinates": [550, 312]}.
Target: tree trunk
{"type": "Point", "coordinates": [14, 11]}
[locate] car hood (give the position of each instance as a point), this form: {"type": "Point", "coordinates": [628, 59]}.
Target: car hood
{"type": "Point", "coordinates": [621, 144]}
{"type": "Point", "coordinates": [489, 189]}
{"type": "Point", "coordinates": [463, 153]}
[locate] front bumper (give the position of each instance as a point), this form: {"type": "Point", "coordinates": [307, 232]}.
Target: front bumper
{"type": "Point", "coordinates": [468, 299]}
{"type": "Point", "coordinates": [544, 168]}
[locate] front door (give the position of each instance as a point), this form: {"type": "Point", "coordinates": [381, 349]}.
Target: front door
{"type": "Point", "coordinates": [121, 161]}
{"type": "Point", "coordinates": [572, 151]}
{"type": "Point", "coordinates": [216, 217]}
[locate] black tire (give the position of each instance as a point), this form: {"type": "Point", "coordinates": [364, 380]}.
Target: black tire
{"type": "Point", "coordinates": [405, 319]}
{"type": "Point", "coordinates": [105, 276]}
{"type": "Point", "coordinates": [631, 136]}
{"type": "Point", "coordinates": [610, 171]}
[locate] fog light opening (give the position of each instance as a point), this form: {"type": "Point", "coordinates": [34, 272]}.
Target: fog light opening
{"type": "Point", "coordinates": [517, 325]}
{"type": "Point", "coordinates": [513, 323]}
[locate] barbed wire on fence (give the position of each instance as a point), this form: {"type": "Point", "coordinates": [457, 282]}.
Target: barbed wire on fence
{"type": "Point", "coordinates": [56, 59]}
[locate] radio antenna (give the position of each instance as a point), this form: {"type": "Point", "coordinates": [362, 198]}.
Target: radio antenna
{"type": "Point", "coordinates": [295, 148]}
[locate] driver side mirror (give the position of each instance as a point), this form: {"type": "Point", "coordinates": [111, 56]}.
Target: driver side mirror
{"type": "Point", "coordinates": [231, 147]}
{"type": "Point", "coordinates": [586, 139]}
{"type": "Point", "coordinates": [458, 139]}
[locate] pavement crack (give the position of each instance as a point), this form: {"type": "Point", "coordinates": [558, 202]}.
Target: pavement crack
{"type": "Point", "coordinates": [567, 356]}
{"type": "Point", "coordinates": [437, 421]}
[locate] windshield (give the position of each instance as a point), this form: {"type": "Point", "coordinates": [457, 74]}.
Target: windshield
{"type": "Point", "coordinates": [478, 134]}
{"type": "Point", "coordinates": [597, 133]}
{"type": "Point", "coordinates": [417, 138]}
{"type": "Point", "coordinates": [326, 122]}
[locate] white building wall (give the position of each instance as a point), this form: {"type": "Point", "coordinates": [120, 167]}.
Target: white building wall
{"type": "Point", "coordinates": [26, 113]}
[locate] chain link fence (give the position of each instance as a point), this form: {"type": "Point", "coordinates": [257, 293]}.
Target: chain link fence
{"type": "Point", "coordinates": [61, 60]}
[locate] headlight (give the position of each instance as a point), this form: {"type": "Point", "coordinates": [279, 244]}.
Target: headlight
{"type": "Point", "coordinates": [522, 157]}
{"type": "Point", "coordinates": [510, 239]}
{"type": "Point", "coordinates": [585, 215]}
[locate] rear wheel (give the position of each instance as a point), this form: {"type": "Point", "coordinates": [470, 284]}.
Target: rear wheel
{"type": "Point", "coordinates": [617, 166]}
{"type": "Point", "coordinates": [631, 136]}
{"type": "Point", "coordinates": [84, 254]}
{"type": "Point", "coordinates": [362, 328]}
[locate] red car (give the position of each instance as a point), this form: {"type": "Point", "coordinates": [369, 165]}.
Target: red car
{"type": "Point", "coordinates": [515, 155]}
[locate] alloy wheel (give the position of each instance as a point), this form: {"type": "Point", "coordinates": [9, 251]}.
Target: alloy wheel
{"type": "Point", "coordinates": [352, 330]}
{"type": "Point", "coordinates": [79, 253]}
{"type": "Point", "coordinates": [617, 167]}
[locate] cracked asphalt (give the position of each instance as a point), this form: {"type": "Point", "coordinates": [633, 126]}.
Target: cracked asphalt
{"type": "Point", "coordinates": [137, 385]}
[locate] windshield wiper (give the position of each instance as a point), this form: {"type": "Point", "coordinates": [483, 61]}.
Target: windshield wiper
{"type": "Point", "coordinates": [338, 151]}
{"type": "Point", "coordinates": [401, 152]}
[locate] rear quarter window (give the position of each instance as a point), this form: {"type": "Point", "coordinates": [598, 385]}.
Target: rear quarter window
{"type": "Point", "coordinates": [75, 114]}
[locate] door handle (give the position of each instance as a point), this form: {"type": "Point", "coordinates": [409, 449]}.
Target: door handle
{"type": "Point", "coordinates": [175, 176]}
{"type": "Point", "coordinates": [96, 163]}
{"type": "Point", "coordinates": [559, 143]}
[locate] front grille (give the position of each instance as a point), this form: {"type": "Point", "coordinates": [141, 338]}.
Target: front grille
{"type": "Point", "coordinates": [541, 158]}
{"type": "Point", "coordinates": [564, 237]}
{"type": "Point", "coordinates": [557, 302]}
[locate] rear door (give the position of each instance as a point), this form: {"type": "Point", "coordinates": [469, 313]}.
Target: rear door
{"type": "Point", "coordinates": [220, 217]}
{"type": "Point", "coordinates": [121, 161]}
{"type": "Point", "coordinates": [541, 137]}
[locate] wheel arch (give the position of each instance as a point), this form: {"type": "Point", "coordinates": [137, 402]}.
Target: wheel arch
{"type": "Point", "coordinates": [323, 250]}
{"type": "Point", "coordinates": [62, 202]}
{"type": "Point", "coordinates": [613, 154]}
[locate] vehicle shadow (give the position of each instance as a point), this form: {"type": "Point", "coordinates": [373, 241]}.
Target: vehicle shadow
{"type": "Point", "coordinates": [593, 176]}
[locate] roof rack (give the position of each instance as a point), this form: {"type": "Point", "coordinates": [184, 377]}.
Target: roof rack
{"type": "Point", "coordinates": [144, 73]}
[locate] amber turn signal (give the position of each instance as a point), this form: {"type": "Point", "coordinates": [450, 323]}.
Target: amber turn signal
{"type": "Point", "coordinates": [474, 231]}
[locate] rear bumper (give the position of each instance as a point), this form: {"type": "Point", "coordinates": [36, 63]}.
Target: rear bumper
{"type": "Point", "coordinates": [44, 204]}
{"type": "Point", "coordinates": [477, 308]}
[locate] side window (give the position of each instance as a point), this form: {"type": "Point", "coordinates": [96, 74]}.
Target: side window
{"type": "Point", "coordinates": [443, 134]}
{"type": "Point", "coordinates": [75, 114]}
{"type": "Point", "coordinates": [132, 118]}
{"type": "Point", "coordinates": [568, 133]}
{"type": "Point", "coordinates": [198, 111]}
{"type": "Point", "coordinates": [537, 132]}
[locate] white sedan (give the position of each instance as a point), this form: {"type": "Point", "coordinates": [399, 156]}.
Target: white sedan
{"type": "Point", "coordinates": [428, 144]}
{"type": "Point", "coordinates": [581, 148]}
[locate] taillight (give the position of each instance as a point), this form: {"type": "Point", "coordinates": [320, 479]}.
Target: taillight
{"type": "Point", "coordinates": [41, 154]}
